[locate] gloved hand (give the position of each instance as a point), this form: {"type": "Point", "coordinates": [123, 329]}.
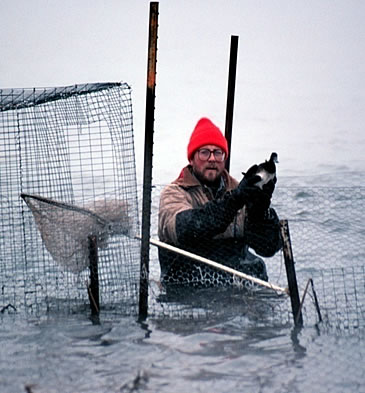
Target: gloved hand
{"type": "Point", "coordinates": [261, 200]}
{"type": "Point", "coordinates": [269, 187]}
{"type": "Point", "coordinates": [246, 192]}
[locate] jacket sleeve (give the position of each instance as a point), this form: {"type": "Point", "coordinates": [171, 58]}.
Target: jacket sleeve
{"type": "Point", "coordinates": [182, 223]}
{"type": "Point", "coordinates": [263, 235]}
{"type": "Point", "coordinates": [205, 222]}
{"type": "Point", "coordinates": [173, 200]}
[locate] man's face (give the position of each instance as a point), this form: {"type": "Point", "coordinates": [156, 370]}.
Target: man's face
{"type": "Point", "coordinates": [208, 169]}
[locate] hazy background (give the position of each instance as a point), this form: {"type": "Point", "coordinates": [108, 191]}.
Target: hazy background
{"type": "Point", "coordinates": [300, 76]}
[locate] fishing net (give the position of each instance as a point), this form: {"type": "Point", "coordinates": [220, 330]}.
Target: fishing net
{"type": "Point", "coordinates": [68, 177]}
{"type": "Point", "coordinates": [65, 228]}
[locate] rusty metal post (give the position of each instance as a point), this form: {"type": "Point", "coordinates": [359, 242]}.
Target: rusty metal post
{"type": "Point", "coordinates": [93, 288]}
{"type": "Point", "coordinates": [230, 95]}
{"type": "Point", "coordinates": [290, 272]}
{"type": "Point", "coordinates": [148, 154]}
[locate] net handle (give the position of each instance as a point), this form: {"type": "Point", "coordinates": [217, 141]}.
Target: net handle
{"type": "Point", "coordinates": [217, 265]}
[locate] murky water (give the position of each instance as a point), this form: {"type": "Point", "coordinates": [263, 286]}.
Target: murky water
{"type": "Point", "coordinates": [238, 347]}
{"type": "Point", "coordinates": [73, 354]}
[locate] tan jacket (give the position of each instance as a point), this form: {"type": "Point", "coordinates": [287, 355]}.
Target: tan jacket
{"type": "Point", "coordinates": [186, 192]}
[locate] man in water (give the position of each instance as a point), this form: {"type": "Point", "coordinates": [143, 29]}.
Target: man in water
{"type": "Point", "coordinates": [209, 213]}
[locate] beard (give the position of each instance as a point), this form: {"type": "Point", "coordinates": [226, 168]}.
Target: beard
{"type": "Point", "coordinates": [210, 176]}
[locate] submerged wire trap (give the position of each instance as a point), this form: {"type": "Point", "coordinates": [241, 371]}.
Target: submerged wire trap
{"type": "Point", "coordinates": [69, 154]}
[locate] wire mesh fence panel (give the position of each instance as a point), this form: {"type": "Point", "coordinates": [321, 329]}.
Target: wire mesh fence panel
{"type": "Point", "coordinates": [327, 236]}
{"type": "Point", "coordinates": [327, 232]}
{"type": "Point", "coordinates": [67, 173]}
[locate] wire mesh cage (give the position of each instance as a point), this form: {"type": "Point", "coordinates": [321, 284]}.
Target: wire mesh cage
{"type": "Point", "coordinates": [67, 175]}
{"type": "Point", "coordinates": [327, 237]}
{"type": "Point", "coordinates": [68, 196]}
{"type": "Point", "coordinates": [327, 232]}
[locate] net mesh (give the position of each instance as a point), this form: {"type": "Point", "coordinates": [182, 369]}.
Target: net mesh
{"type": "Point", "coordinates": [67, 175]}
{"type": "Point", "coordinates": [69, 152]}
{"type": "Point", "coordinates": [327, 236]}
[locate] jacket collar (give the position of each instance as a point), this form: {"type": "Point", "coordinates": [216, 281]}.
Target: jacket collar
{"type": "Point", "coordinates": [187, 179]}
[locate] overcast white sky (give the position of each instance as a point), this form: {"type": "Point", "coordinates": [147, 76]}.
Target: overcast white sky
{"type": "Point", "coordinates": [300, 77]}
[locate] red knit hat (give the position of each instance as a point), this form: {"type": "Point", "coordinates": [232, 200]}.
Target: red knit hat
{"type": "Point", "coordinates": [206, 133]}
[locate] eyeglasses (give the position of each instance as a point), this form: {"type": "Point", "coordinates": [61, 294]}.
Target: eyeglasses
{"type": "Point", "coordinates": [204, 154]}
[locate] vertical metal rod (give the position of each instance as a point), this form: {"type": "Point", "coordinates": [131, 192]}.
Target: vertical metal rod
{"type": "Point", "coordinates": [148, 154]}
{"type": "Point", "coordinates": [230, 94]}
{"type": "Point", "coordinates": [93, 288]}
{"type": "Point", "coordinates": [290, 272]}
{"type": "Point", "coordinates": [320, 319]}
{"type": "Point", "coordinates": [310, 281]}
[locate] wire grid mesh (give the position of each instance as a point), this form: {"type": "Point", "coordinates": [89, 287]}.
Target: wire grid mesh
{"type": "Point", "coordinates": [73, 145]}
{"type": "Point", "coordinates": [327, 231]}
{"type": "Point", "coordinates": [327, 236]}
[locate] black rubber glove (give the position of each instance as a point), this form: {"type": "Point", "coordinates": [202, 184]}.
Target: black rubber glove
{"type": "Point", "coordinates": [269, 187]}
{"type": "Point", "coordinates": [261, 200]}
{"type": "Point", "coordinates": [247, 193]}
{"type": "Point", "coordinates": [263, 235]}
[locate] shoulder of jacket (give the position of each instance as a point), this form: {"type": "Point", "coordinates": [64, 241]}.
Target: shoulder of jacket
{"type": "Point", "coordinates": [186, 179]}
{"type": "Point", "coordinates": [230, 181]}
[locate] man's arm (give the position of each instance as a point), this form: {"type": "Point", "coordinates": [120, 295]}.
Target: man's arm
{"type": "Point", "coordinates": [213, 218]}
{"type": "Point", "coordinates": [173, 200]}
{"type": "Point", "coordinates": [205, 222]}
{"type": "Point", "coordinates": [263, 234]}
{"type": "Point", "coordinates": [183, 224]}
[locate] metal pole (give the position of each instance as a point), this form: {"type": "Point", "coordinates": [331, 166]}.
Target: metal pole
{"type": "Point", "coordinates": [148, 153]}
{"type": "Point", "coordinates": [93, 288]}
{"type": "Point", "coordinates": [290, 272]}
{"type": "Point", "coordinates": [230, 94]}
